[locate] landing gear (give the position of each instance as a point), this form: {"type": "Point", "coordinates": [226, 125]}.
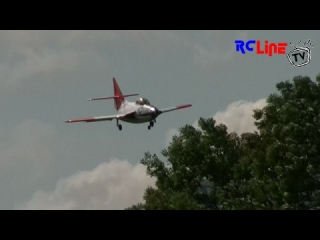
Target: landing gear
{"type": "Point", "coordinates": [151, 125]}
{"type": "Point", "coordinates": [119, 125]}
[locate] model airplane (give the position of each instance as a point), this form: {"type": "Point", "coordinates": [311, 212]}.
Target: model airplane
{"type": "Point", "coordinates": [140, 111]}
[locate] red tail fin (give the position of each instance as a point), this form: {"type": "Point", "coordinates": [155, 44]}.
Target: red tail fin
{"type": "Point", "coordinates": [119, 98]}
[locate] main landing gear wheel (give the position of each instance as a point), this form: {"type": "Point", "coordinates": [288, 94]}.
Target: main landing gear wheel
{"type": "Point", "coordinates": [151, 125]}
{"type": "Point", "coordinates": [119, 125]}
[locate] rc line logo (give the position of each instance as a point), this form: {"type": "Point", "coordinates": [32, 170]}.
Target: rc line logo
{"type": "Point", "coordinates": [298, 57]}
{"type": "Point", "coordinates": [268, 49]}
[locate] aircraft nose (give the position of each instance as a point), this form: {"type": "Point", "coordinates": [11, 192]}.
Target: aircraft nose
{"type": "Point", "coordinates": [156, 112]}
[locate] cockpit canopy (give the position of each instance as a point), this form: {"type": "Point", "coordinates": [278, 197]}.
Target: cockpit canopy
{"type": "Point", "coordinates": [142, 101]}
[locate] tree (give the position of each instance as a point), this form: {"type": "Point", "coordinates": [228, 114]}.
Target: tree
{"type": "Point", "coordinates": [290, 127]}
{"type": "Point", "coordinates": [277, 167]}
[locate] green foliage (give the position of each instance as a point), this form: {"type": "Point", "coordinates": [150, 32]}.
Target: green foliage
{"type": "Point", "coordinates": [277, 167]}
{"type": "Point", "coordinates": [290, 125]}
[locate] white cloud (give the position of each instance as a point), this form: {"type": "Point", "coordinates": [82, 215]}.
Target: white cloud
{"type": "Point", "coordinates": [238, 116]}
{"type": "Point", "coordinates": [114, 185]}
{"type": "Point", "coordinates": [32, 152]}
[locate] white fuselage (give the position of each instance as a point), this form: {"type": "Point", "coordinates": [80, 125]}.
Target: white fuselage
{"type": "Point", "coordinates": [143, 113]}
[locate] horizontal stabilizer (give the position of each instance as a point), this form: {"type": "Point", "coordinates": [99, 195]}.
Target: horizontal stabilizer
{"type": "Point", "coordinates": [113, 97]}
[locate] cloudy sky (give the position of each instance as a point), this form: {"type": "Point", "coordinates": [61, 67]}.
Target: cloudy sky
{"type": "Point", "coordinates": [46, 78]}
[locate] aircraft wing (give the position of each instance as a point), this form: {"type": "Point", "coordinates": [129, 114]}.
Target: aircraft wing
{"type": "Point", "coordinates": [163, 110]}
{"type": "Point", "coordinates": [101, 118]}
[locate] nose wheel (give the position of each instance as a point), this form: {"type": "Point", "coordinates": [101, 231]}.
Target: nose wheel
{"type": "Point", "coordinates": [151, 125]}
